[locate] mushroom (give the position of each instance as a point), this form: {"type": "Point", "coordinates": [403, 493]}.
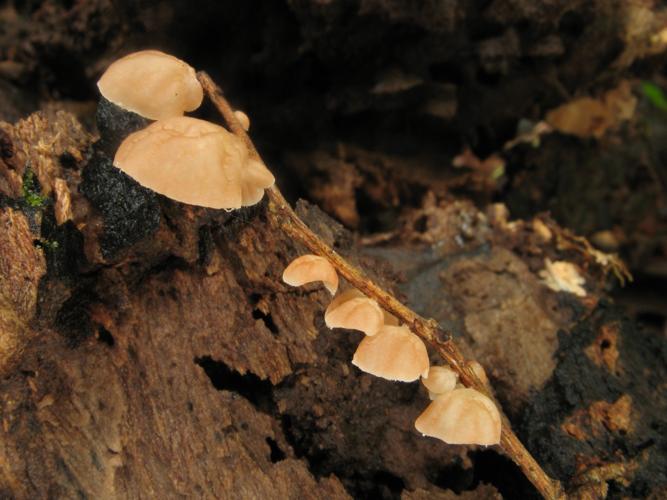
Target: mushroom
{"type": "Point", "coordinates": [462, 416]}
{"type": "Point", "coordinates": [562, 276]}
{"type": "Point", "coordinates": [309, 268]}
{"type": "Point", "coordinates": [152, 84]}
{"type": "Point", "coordinates": [440, 380]}
{"type": "Point", "coordinates": [480, 372]}
{"type": "Point", "coordinates": [243, 119]}
{"type": "Point", "coordinates": [194, 161]}
{"type": "Point", "coordinates": [394, 353]}
{"type": "Point", "coordinates": [353, 310]}
{"type": "Point", "coordinates": [390, 319]}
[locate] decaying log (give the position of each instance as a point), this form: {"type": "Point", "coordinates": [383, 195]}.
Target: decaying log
{"type": "Point", "coordinates": [116, 397]}
{"type": "Point", "coordinates": [177, 362]}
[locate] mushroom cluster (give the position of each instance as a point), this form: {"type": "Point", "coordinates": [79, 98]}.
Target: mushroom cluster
{"type": "Point", "coordinates": [389, 351]}
{"type": "Point", "coordinates": [456, 415]}
{"type": "Point", "coordinates": [186, 159]}
{"type": "Point", "coordinates": [197, 162]}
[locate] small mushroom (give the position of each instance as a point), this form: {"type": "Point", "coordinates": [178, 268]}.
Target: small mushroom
{"type": "Point", "coordinates": [309, 268]}
{"type": "Point", "coordinates": [194, 161]}
{"type": "Point", "coordinates": [394, 353]}
{"type": "Point", "coordinates": [462, 416]}
{"type": "Point", "coordinates": [152, 84]}
{"type": "Point", "coordinates": [353, 310]}
{"type": "Point", "coordinates": [480, 372]}
{"type": "Point", "coordinates": [440, 380]}
{"type": "Point", "coordinates": [562, 276]}
{"type": "Point", "coordinates": [243, 119]}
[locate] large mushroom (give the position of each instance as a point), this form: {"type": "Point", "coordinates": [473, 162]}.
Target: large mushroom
{"type": "Point", "coordinates": [462, 416]}
{"type": "Point", "coordinates": [194, 161]}
{"type": "Point", "coordinates": [394, 353]}
{"type": "Point", "coordinates": [152, 84]}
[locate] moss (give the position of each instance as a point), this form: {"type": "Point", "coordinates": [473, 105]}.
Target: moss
{"type": "Point", "coordinates": [31, 190]}
{"type": "Point", "coordinates": [47, 244]}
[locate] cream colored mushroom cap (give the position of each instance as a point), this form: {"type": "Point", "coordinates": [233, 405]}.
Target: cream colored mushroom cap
{"type": "Point", "coordinates": [352, 309]}
{"type": "Point", "coordinates": [152, 84]}
{"type": "Point", "coordinates": [479, 371]}
{"type": "Point", "coordinates": [394, 353]}
{"type": "Point", "coordinates": [440, 380]}
{"type": "Point", "coordinates": [194, 161]}
{"type": "Point", "coordinates": [309, 268]}
{"type": "Point", "coordinates": [462, 416]}
{"type": "Point", "coordinates": [563, 276]}
{"type": "Point", "coordinates": [243, 119]}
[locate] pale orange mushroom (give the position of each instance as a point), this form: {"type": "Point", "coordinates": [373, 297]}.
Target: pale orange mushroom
{"type": "Point", "coordinates": [462, 416]}
{"type": "Point", "coordinates": [152, 84]}
{"type": "Point", "coordinates": [479, 371]}
{"type": "Point", "coordinates": [243, 119]}
{"type": "Point", "coordinates": [390, 319]}
{"type": "Point", "coordinates": [309, 268]}
{"type": "Point", "coordinates": [353, 310]}
{"type": "Point", "coordinates": [194, 161]}
{"type": "Point", "coordinates": [394, 353]}
{"type": "Point", "coordinates": [440, 380]}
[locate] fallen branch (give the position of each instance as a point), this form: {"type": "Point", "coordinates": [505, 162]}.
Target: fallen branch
{"type": "Point", "coordinates": [427, 329]}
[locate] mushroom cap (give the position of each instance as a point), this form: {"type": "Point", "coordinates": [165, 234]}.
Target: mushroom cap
{"type": "Point", "coordinates": [563, 276]}
{"type": "Point", "coordinates": [152, 84]}
{"type": "Point", "coordinates": [394, 353]}
{"type": "Point", "coordinates": [309, 268]}
{"type": "Point", "coordinates": [479, 371]}
{"type": "Point", "coordinates": [352, 309]}
{"type": "Point", "coordinates": [390, 319]}
{"type": "Point", "coordinates": [462, 416]}
{"type": "Point", "coordinates": [194, 161]}
{"type": "Point", "coordinates": [440, 380]}
{"type": "Point", "coordinates": [243, 119]}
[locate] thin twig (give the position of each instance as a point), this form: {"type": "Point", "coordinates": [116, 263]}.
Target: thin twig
{"type": "Point", "coordinates": [427, 329]}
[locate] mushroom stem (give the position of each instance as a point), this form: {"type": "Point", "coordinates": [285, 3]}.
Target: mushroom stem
{"type": "Point", "coordinates": [428, 329]}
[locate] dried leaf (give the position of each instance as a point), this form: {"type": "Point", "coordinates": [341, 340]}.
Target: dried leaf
{"type": "Point", "coordinates": [589, 117]}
